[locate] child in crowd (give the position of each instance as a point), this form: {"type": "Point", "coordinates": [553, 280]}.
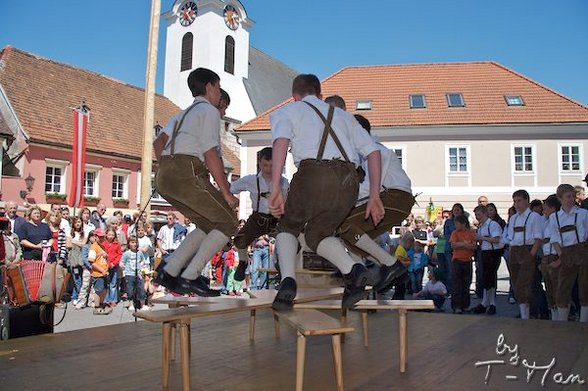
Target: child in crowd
{"type": "Point", "coordinates": [133, 262]}
{"type": "Point", "coordinates": [401, 254]}
{"type": "Point", "coordinates": [86, 274]}
{"type": "Point", "coordinates": [145, 245]}
{"type": "Point", "coordinates": [418, 260]}
{"type": "Point", "coordinates": [463, 244]}
{"type": "Point", "coordinates": [114, 250]}
{"type": "Point", "coordinates": [233, 286]}
{"type": "Point", "coordinates": [434, 289]}
{"type": "Point", "coordinates": [97, 258]}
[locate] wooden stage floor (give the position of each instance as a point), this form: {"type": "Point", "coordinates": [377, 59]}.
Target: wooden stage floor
{"type": "Point", "coordinates": [443, 352]}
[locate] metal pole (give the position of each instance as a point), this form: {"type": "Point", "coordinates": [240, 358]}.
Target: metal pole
{"type": "Point", "coordinates": [147, 156]}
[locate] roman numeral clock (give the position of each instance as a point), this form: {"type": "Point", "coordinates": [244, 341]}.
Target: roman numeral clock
{"type": "Point", "coordinates": [188, 13]}
{"type": "Point", "coordinates": [232, 17]}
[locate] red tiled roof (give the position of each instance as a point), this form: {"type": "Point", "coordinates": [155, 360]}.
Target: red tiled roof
{"type": "Point", "coordinates": [482, 84]}
{"type": "Point", "coordinates": [42, 93]}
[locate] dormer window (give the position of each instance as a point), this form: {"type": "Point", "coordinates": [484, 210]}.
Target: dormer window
{"type": "Point", "coordinates": [417, 101]}
{"type": "Point", "coordinates": [455, 99]}
{"type": "Point", "coordinates": [365, 104]}
{"type": "Point", "coordinates": [514, 100]}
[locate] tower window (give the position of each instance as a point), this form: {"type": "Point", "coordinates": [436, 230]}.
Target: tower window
{"type": "Point", "coordinates": [187, 46]}
{"type": "Point", "coordinates": [230, 55]}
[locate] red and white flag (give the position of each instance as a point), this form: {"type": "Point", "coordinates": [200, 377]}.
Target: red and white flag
{"type": "Point", "coordinates": [81, 116]}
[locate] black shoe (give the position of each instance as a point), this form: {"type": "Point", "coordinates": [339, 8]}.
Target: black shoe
{"type": "Point", "coordinates": [479, 309]}
{"type": "Point", "coordinates": [355, 282]}
{"type": "Point", "coordinates": [491, 310]}
{"type": "Point", "coordinates": [240, 272]}
{"type": "Point", "coordinates": [284, 299]}
{"type": "Point", "coordinates": [391, 275]}
{"type": "Point", "coordinates": [197, 286]}
{"type": "Point", "coordinates": [165, 279]}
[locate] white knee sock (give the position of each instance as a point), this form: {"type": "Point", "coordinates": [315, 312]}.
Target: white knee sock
{"type": "Point", "coordinates": [189, 247]}
{"type": "Point", "coordinates": [492, 296]}
{"type": "Point", "coordinates": [356, 258]}
{"type": "Point", "coordinates": [243, 255]}
{"type": "Point", "coordinates": [286, 249]}
{"type": "Point", "coordinates": [368, 245]}
{"type": "Point", "coordinates": [554, 314]}
{"type": "Point", "coordinates": [584, 314]}
{"type": "Point", "coordinates": [563, 313]}
{"type": "Point", "coordinates": [485, 298]}
{"type": "Point", "coordinates": [524, 308]}
{"type": "Point", "coordinates": [332, 250]}
{"type": "Point", "coordinates": [214, 241]}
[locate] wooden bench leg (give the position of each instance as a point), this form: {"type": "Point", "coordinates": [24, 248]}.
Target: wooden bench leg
{"type": "Point", "coordinates": [403, 339]}
{"type": "Point", "coordinates": [166, 333]}
{"type": "Point", "coordinates": [252, 325]}
{"type": "Point", "coordinates": [344, 320]}
{"type": "Point", "coordinates": [276, 325]}
{"type": "Point", "coordinates": [336, 341]}
{"type": "Point", "coordinates": [189, 337]}
{"type": "Point", "coordinates": [185, 352]}
{"type": "Point", "coordinates": [300, 354]}
{"type": "Point", "coordinates": [364, 323]}
{"type": "Point", "coordinates": [172, 341]}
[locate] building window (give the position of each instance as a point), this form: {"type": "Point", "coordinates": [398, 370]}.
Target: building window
{"type": "Point", "coordinates": [455, 100]}
{"type": "Point", "coordinates": [119, 185]}
{"type": "Point", "coordinates": [230, 55]}
{"type": "Point", "coordinates": [523, 159]}
{"type": "Point", "coordinates": [54, 181]}
{"type": "Point", "coordinates": [417, 101]}
{"type": "Point", "coordinates": [570, 158]}
{"type": "Point", "coordinates": [187, 47]}
{"type": "Point", "coordinates": [458, 160]}
{"type": "Point", "coordinates": [514, 100]}
{"type": "Point", "coordinates": [90, 188]}
{"type": "Point", "coordinates": [363, 105]}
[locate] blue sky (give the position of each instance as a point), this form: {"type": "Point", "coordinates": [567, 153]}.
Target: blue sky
{"type": "Point", "coordinates": [545, 40]}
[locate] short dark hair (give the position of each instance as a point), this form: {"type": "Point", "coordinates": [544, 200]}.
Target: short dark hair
{"type": "Point", "coordinates": [225, 96]}
{"type": "Point", "coordinates": [524, 194]}
{"type": "Point", "coordinates": [306, 84]}
{"type": "Point", "coordinates": [364, 122]}
{"type": "Point", "coordinates": [565, 188]}
{"type": "Point", "coordinates": [481, 209]}
{"type": "Point", "coordinates": [462, 219]}
{"type": "Point", "coordinates": [553, 202]}
{"type": "Point", "coordinates": [337, 101]}
{"type": "Point", "coordinates": [199, 78]}
{"type": "Point", "coordinates": [535, 203]}
{"type": "Point", "coordinates": [265, 153]}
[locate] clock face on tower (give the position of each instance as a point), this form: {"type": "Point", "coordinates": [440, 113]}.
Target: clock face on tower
{"type": "Point", "coordinates": [188, 13]}
{"type": "Point", "coordinates": [232, 18]}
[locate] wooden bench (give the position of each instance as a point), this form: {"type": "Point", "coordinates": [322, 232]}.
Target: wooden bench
{"type": "Point", "coordinates": [184, 309]}
{"type": "Point", "coordinates": [402, 306]}
{"type": "Point", "coordinates": [308, 322]}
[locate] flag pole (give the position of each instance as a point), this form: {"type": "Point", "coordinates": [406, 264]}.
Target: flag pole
{"type": "Point", "coordinates": [147, 156]}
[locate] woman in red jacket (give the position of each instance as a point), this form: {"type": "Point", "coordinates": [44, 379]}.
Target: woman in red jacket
{"type": "Point", "coordinates": [114, 252]}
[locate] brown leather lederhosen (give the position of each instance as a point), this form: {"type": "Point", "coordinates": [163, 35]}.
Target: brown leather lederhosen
{"type": "Point", "coordinates": [522, 266]}
{"type": "Point", "coordinates": [184, 181]}
{"type": "Point", "coordinates": [572, 258]}
{"type": "Point", "coordinates": [550, 274]}
{"type": "Point", "coordinates": [322, 192]}
{"type": "Point", "coordinates": [256, 225]}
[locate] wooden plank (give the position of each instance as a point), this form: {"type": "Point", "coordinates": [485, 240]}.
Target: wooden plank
{"type": "Point", "coordinates": [370, 305]}
{"type": "Point", "coordinates": [313, 322]}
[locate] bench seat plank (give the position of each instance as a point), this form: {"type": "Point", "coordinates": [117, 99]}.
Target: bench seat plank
{"type": "Point", "coordinates": [313, 322]}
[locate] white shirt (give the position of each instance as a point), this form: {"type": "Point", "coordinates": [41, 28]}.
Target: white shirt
{"type": "Point", "coordinates": [533, 228]}
{"type": "Point", "coordinates": [64, 225]}
{"type": "Point", "coordinates": [166, 235]}
{"type": "Point", "coordinates": [435, 288]}
{"type": "Point", "coordinates": [491, 229]}
{"type": "Point", "coordinates": [393, 176]}
{"type": "Point", "coordinates": [199, 132]}
{"type": "Point", "coordinates": [300, 124]}
{"type": "Point", "coordinates": [88, 227]}
{"type": "Point", "coordinates": [547, 248]}
{"type": "Point", "coordinates": [249, 183]}
{"type": "Point", "coordinates": [569, 238]}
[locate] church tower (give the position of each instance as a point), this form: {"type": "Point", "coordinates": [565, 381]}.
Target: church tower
{"type": "Point", "coordinates": [213, 34]}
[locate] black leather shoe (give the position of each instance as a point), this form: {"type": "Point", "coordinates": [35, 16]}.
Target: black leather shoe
{"type": "Point", "coordinates": [197, 286]}
{"type": "Point", "coordinates": [479, 309]}
{"type": "Point", "coordinates": [240, 272]}
{"type": "Point", "coordinates": [355, 282]}
{"type": "Point", "coordinates": [391, 275]}
{"type": "Point", "coordinates": [491, 310]}
{"type": "Point", "coordinates": [284, 299]}
{"type": "Point", "coordinates": [165, 279]}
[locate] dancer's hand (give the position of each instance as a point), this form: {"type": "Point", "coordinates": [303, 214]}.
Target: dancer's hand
{"type": "Point", "coordinates": [231, 200]}
{"type": "Point", "coordinates": [276, 204]}
{"type": "Point", "coordinates": [375, 210]}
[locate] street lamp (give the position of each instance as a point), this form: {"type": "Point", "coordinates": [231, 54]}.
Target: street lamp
{"type": "Point", "coordinates": [29, 183]}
